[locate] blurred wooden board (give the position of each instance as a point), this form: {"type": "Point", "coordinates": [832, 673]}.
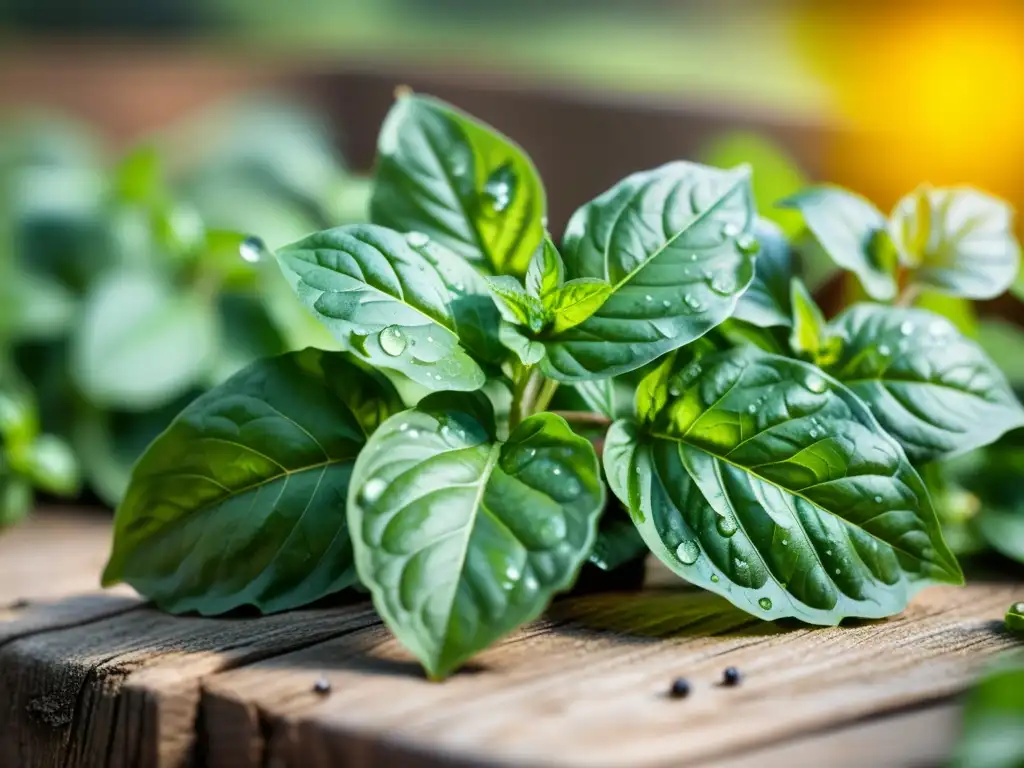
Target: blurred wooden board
{"type": "Point", "coordinates": [105, 680]}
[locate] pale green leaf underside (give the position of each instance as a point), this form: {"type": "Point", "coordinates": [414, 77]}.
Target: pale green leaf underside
{"type": "Point", "coordinates": [961, 240]}
{"type": "Point", "coordinates": [930, 387]}
{"type": "Point", "coordinates": [387, 302]}
{"type": "Point", "coordinates": [460, 538]}
{"type": "Point", "coordinates": [772, 485]}
{"type": "Point", "coordinates": [848, 228]}
{"type": "Point", "coordinates": [675, 244]}
{"type": "Point", "coordinates": [242, 500]}
{"type": "Point", "coordinates": [449, 176]}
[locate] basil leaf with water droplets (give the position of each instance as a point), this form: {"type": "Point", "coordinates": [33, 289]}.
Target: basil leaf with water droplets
{"type": "Point", "coordinates": [766, 302]}
{"type": "Point", "coordinates": [959, 241]}
{"type": "Point", "coordinates": [457, 180]}
{"type": "Point", "coordinates": [769, 483]}
{"type": "Point", "coordinates": [384, 300]}
{"type": "Point", "coordinates": [676, 247]}
{"type": "Point", "coordinates": [462, 538]}
{"type": "Point", "coordinates": [241, 501]}
{"type": "Point", "coordinates": [546, 271]}
{"type": "Point", "coordinates": [853, 232]}
{"type": "Point", "coordinates": [930, 387]}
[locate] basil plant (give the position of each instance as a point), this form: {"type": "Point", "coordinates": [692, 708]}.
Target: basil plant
{"type": "Point", "coordinates": [454, 458]}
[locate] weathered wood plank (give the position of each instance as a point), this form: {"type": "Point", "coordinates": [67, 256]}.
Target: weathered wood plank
{"type": "Point", "coordinates": [124, 691]}
{"type": "Point", "coordinates": [587, 687]}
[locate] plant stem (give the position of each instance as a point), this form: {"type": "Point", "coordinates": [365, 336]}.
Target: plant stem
{"type": "Point", "coordinates": [584, 418]}
{"type": "Point", "coordinates": [524, 396]}
{"type": "Point", "coordinates": [908, 296]}
{"type": "Point", "coordinates": [547, 391]}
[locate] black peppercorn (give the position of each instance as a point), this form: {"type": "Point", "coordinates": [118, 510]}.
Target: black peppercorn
{"type": "Point", "coordinates": [322, 685]}
{"type": "Point", "coordinates": [680, 688]}
{"type": "Point", "coordinates": [731, 676]}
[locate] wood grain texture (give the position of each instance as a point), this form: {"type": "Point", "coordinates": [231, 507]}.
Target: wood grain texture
{"type": "Point", "coordinates": [587, 685]}
{"type": "Point", "coordinates": [106, 680]}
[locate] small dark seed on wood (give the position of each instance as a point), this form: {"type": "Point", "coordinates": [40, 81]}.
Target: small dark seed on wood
{"type": "Point", "coordinates": [680, 688]}
{"type": "Point", "coordinates": [322, 685]}
{"type": "Point", "coordinates": [731, 676]}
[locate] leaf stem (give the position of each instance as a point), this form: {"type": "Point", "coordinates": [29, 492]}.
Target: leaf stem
{"type": "Point", "coordinates": [547, 391]}
{"type": "Point", "coordinates": [524, 396]}
{"type": "Point", "coordinates": [584, 418]}
{"type": "Point", "coordinates": [908, 296]}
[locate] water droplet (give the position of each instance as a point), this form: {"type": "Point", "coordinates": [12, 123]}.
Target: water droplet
{"type": "Point", "coordinates": [815, 383]}
{"type": "Point", "coordinates": [460, 287]}
{"type": "Point", "coordinates": [748, 244]}
{"type": "Point", "coordinates": [878, 499]}
{"type": "Point", "coordinates": [414, 433]}
{"type": "Point", "coordinates": [403, 426]}
{"type": "Point", "coordinates": [437, 376]}
{"type": "Point", "coordinates": [529, 453]}
{"type": "Point", "coordinates": [785, 542]}
{"type": "Point", "coordinates": [648, 297]}
{"type": "Point", "coordinates": [693, 302]}
{"type": "Point", "coordinates": [938, 328]}
{"type": "Point", "coordinates": [828, 551]}
{"type": "Point", "coordinates": [883, 350]}
{"type": "Point", "coordinates": [500, 188]}
{"type": "Point", "coordinates": [765, 603]}
{"type": "Point", "coordinates": [740, 564]}
{"type": "Point", "coordinates": [714, 577]}
{"type": "Point", "coordinates": [726, 526]}
{"type": "Point", "coordinates": [666, 303]}
{"type": "Point", "coordinates": [838, 571]}
{"type": "Point", "coordinates": [730, 230]}
{"type": "Point", "coordinates": [693, 257]}
{"type": "Point", "coordinates": [751, 408]}
{"type": "Point", "coordinates": [906, 327]}
{"type": "Point", "coordinates": [688, 552]}
{"type": "Point", "coordinates": [723, 284]}
{"type": "Point", "coordinates": [252, 249]}
{"type": "Point", "coordinates": [417, 239]}
{"type": "Point", "coordinates": [813, 433]}
{"type": "Point", "coordinates": [373, 489]}
{"type": "Point", "coordinates": [673, 388]}
{"type": "Point", "coordinates": [556, 471]}
{"type": "Point", "coordinates": [392, 340]}
{"type": "Point", "coordinates": [512, 573]}
{"type": "Point", "coordinates": [430, 339]}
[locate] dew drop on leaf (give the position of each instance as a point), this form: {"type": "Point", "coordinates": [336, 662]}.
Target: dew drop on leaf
{"type": "Point", "coordinates": [765, 603]}
{"type": "Point", "coordinates": [666, 303]}
{"type": "Point", "coordinates": [884, 350]}
{"type": "Point", "coordinates": [714, 577]}
{"type": "Point", "coordinates": [730, 230]}
{"type": "Point", "coordinates": [392, 340]}
{"type": "Point", "coordinates": [499, 189]}
{"type": "Point", "coordinates": [556, 471]}
{"type": "Point", "coordinates": [692, 302]}
{"type": "Point", "coordinates": [723, 284]}
{"type": "Point", "coordinates": [906, 327]}
{"type": "Point", "coordinates": [748, 244]}
{"type": "Point", "coordinates": [373, 489]}
{"type": "Point", "coordinates": [813, 433]}
{"type": "Point", "coordinates": [551, 530]}
{"type": "Point", "coordinates": [751, 408]}
{"type": "Point", "coordinates": [414, 433]}
{"type": "Point", "coordinates": [417, 239]}
{"type": "Point", "coordinates": [878, 499]}
{"type": "Point", "coordinates": [726, 526]}
{"type": "Point", "coordinates": [785, 542]}
{"type": "Point", "coordinates": [648, 297]}
{"type": "Point", "coordinates": [252, 249]}
{"type": "Point", "coordinates": [688, 552]}
{"type": "Point", "coordinates": [693, 257]}
{"type": "Point", "coordinates": [814, 383]}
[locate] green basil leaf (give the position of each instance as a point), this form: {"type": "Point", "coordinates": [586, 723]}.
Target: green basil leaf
{"type": "Point", "coordinates": [932, 389]}
{"type": "Point", "coordinates": [853, 232]}
{"type": "Point", "coordinates": [767, 482]}
{"type": "Point", "coordinates": [241, 501]}
{"type": "Point", "coordinates": [618, 542]}
{"type": "Point", "coordinates": [528, 351]}
{"type": "Point", "coordinates": [675, 244]}
{"type": "Point", "coordinates": [48, 463]}
{"type": "Point", "coordinates": [460, 182]}
{"type": "Point", "coordinates": [575, 301]}
{"type": "Point", "coordinates": [515, 304]}
{"type": "Point", "coordinates": [959, 240]}
{"type": "Point", "coordinates": [810, 336]}
{"type": "Point", "coordinates": [738, 332]}
{"type": "Point", "coordinates": [42, 308]}
{"type": "Point", "coordinates": [546, 271]}
{"type": "Point", "coordinates": [599, 395]}
{"type": "Point", "coordinates": [384, 300]}
{"type": "Point", "coordinates": [1015, 618]}
{"type": "Point", "coordinates": [139, 343]}
{"type": "Point", "coordinates": [766, 302]}
{"type": "Point", "coordinates": [19, 420]}
{"type": "Point", "coordinates": [991, 733]}
{"type": "Point", "coordinates": [461, 538]}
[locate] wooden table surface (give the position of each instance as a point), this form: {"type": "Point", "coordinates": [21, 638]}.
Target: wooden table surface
{"type": "Point", "coordinates": [93, 678]}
